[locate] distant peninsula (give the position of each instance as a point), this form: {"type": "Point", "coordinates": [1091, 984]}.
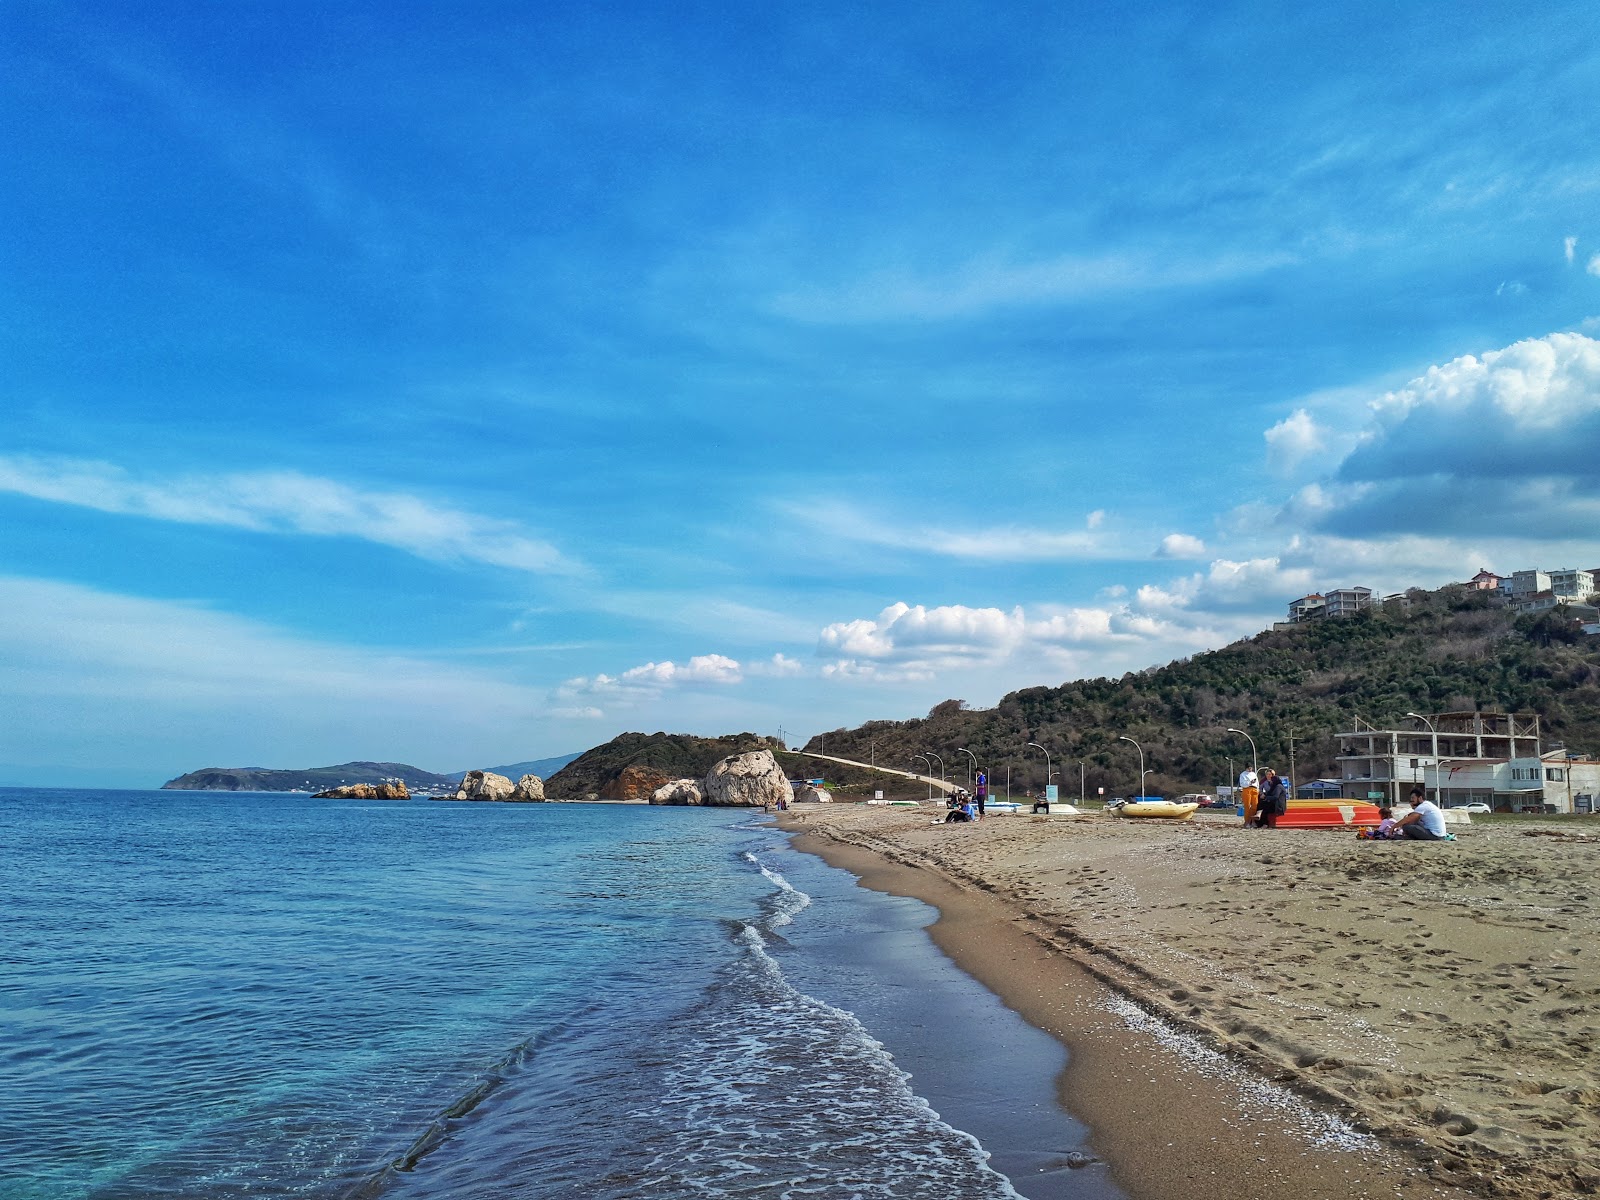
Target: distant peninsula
{"type": "Point", "coordinates": [308, 779]}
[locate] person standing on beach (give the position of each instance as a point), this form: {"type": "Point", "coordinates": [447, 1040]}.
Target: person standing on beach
{"type": "Point", "coordinates": [1248, 795]}
{"type": "Point", "coordinates": [1274, 797]}
{"type": "Point", "coordinates": [1424, 823]}
{"type": "Point", "coordinates": [982, 787]}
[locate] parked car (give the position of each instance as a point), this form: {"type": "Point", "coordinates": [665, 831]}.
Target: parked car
{"type": "Point", "coordinates": [1476, 807]}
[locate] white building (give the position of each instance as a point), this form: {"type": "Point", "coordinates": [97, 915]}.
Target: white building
{"type": "Point", "coordinates": [1571, 584]}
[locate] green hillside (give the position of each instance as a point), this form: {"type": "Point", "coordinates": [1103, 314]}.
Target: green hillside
{"type": "Point", "coordinates": [1451, 650]}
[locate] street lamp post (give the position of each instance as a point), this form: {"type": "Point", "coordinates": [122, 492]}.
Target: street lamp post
{"type": "Point", "coordinates": [1081, 797]}
{"type": "Point", "coordinates": [1140, 749]}
{"type": "Point", "coordinates": [1255, 759]}
{"type": "Point", "coordinates": [1048, 774]}
{"type": "Point", "coordinates": [925, 759]}
{"type": "Point", "coordinates": [942, 779]}
{"type": "Point", "coordinates": [970, 766]}
{"type": "Point", "coordinates": [1435, 733]}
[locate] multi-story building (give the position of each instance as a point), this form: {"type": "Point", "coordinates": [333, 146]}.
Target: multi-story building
{"type": "Point", "coordinates": [1465, 756]}
{"type": "Point", "coordinates": [1572, 585]}
{"type": "Point", "coordinates": [1525, 583]}
{"type": "Point", "coordinates": [1345, 602]}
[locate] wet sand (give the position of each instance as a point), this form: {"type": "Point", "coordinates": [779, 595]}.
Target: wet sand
{"type": "Point", "coordinates": [1281, 1014]}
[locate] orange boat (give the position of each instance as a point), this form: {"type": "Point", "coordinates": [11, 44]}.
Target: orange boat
{"type": "Point", "coordinates": [1327, 814]}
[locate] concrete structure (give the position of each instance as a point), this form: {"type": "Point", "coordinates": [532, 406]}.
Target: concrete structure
{"type": "Point", "coordinates": [1467, 756]}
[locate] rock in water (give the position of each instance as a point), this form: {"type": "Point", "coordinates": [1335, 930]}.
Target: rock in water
{"type": "Point", "coordinates": [529, 787]}
{"type": "Point", "coordinates": [679, 791]}
{"type": "Point", "coordinates": [751, 780]}
{"type": "Point", "coordinates": [366, 791]}
{"type": "Point", "coordinates": [484, 785]}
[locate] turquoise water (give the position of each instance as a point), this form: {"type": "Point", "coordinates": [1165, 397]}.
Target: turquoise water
{"type": "Point", "coordinates": [218, 995]}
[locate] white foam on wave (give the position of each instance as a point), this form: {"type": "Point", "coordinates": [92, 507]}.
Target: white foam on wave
{"type": "Point", "coordinates": [770, 1092]}
{"type": "Point", "coordinates": [790, 901]}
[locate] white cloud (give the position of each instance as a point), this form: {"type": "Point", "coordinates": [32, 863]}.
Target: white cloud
{"type": "Point", "coordinates": [1180, 545]}
{"type": "Point", "coordinates": [1490, 445]}
{"type": "Point", "coordinates": [1570, 246]}
{"type": "Point", "coordinates": [285, 502]}
{"type": "Point", "coordinates": [1594, 265]}
{"type": "Point", "coordinates": [649, 680]}
{"type": "Point", "coordinates": [1295, 438]}
{"type": "Point", "coordinates": [912, 642]}
{"type": "Point", "coordinates": [1095, 519]}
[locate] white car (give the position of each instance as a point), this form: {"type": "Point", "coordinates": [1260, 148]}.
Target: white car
{"type": "Point", "coordinates": [1479, 807]}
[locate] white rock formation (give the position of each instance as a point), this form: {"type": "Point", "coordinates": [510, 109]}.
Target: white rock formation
{"type": "Point", "coordinates": [679, 791]}
{"type": "Point", "coordinates": [529, 787]}
{"type": "Point", "coordinates": [806, 794]}
{"type": "Point", "coordinates": [484, 785]}
{"type": "Point", "coordinates": [750, 780]}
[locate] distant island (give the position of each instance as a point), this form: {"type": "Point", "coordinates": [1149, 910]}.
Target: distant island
{"type": "Point", "coordinates": [322, 779]}
{"type": "Point", "coordinates": [307, 779]}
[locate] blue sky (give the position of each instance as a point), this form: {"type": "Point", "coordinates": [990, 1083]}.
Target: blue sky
{"type": "Point", "coordinates": [470, 385]}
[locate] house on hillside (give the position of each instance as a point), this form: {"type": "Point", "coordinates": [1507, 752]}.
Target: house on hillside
{"type": "Point", "coordinates": [1484, 581]}
{"type": "Point", "coordinates": [1306, 607]}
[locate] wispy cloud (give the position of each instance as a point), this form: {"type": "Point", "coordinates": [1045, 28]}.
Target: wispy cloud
{"type": "Point", "coordinates": [983, 285]}
{"type": "Point", "coordinates": [286, 502]}
{"type": "Point", "coordinates": [1006, 543]}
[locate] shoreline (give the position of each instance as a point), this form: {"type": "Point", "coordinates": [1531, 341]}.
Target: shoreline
{"type": "Point", "coordinates": [1202, 1065]}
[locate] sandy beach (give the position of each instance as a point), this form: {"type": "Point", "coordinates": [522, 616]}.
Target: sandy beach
{"type": "Point", "coordinates": [1281, 1013]}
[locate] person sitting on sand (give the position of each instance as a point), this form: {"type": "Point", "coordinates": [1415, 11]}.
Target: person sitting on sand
{"type": "Point", "coordinates": [1424, 823]}
{"type": "Point", "coordinates": [1387, 828]}
{"type": "Point", "coordinates": [964, 812]}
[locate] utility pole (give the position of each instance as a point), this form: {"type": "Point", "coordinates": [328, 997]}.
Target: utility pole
{"type": "Point", "coordinates": [1291, 764]}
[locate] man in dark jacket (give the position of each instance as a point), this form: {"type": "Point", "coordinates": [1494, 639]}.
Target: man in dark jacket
{"type": "Point", "coordinates": [1274, 796]}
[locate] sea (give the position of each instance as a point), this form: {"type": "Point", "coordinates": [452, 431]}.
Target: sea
{"type": "Point", "coordinates": [219, 995]}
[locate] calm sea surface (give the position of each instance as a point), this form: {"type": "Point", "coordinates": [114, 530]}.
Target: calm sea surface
{"type": "Point", "coordinates": [219, 995]}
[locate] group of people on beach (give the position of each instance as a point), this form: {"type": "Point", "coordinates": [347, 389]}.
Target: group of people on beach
{"type": "Point", "coordinates": [1268, 796]}
{"type": "Point", "coordinates": [1263, 797]}
{"type": "Point", "coordinates": [968, 806]}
